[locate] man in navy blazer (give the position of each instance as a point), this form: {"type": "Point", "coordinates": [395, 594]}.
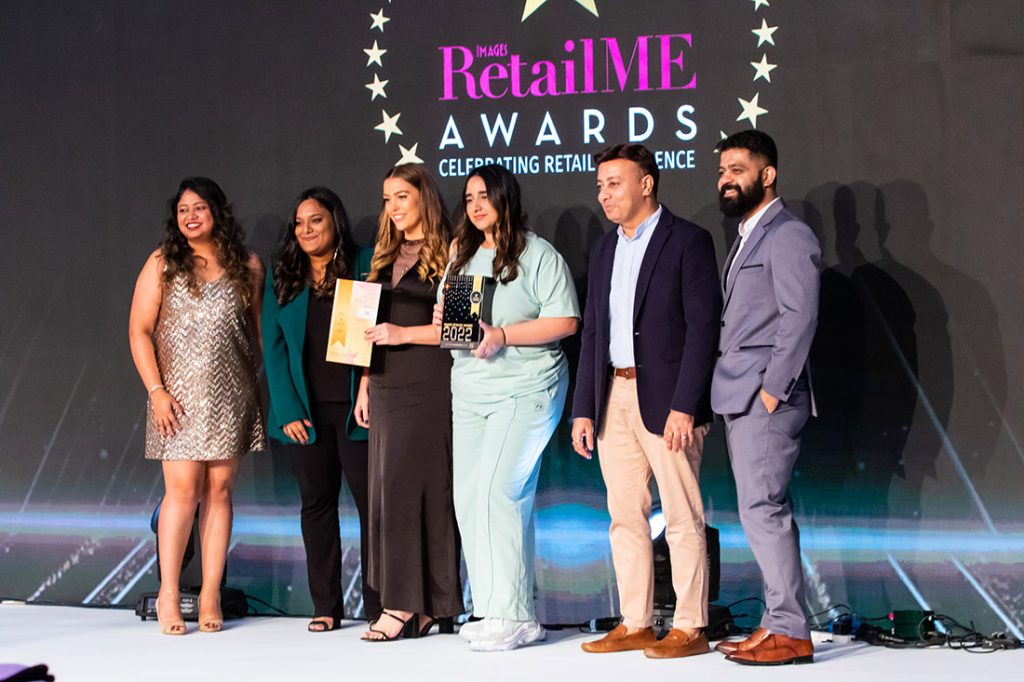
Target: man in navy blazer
{"type": "Point", "coordinates": [761, 383]}
{"type": "Point", "coordinates": [650, 333]}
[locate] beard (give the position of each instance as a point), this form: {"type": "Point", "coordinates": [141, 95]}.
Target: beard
{"type": "Point", "coordinates": [744, 201]}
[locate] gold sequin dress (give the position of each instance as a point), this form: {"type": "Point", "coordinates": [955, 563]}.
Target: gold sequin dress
{"type": "Point", "coordinates": [206, 352]}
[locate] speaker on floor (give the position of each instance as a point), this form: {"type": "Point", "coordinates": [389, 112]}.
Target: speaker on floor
{"type": "Point", "coordinates": [232, 603]}
{"type": "Point", "coordinates": [664, 594]}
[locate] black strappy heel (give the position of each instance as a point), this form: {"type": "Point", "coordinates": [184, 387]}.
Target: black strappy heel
{"type": "Point", "coordinates": [408, 630]}
{"type": "Point", "coordinates": [425, 628]}
{"type": "Point", "coordinates": [317, 625]}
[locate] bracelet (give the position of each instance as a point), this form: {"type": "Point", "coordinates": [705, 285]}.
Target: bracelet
{"type": "Point", "coordinates": [155, 387]}
{"type": "Point", "coordinates": [504, 336]}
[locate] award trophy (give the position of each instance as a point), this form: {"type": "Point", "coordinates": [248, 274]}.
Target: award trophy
{"type": "Point", "coordinates": [467, 301]}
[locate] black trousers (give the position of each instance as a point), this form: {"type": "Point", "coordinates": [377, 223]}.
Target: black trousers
{"type": "Point", "coordinates": [319, 467]}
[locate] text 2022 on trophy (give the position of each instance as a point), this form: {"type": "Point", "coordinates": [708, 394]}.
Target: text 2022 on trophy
{"type": "Point", "coordinates": [467, 301]}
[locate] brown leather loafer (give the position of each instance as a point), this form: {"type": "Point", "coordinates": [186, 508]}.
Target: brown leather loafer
{"type": "Point", "coordinates": [677, 644]}
{"type": "Point", "coordinates": [776, 650]}
{"type": "Point", "coordinates": [728, 647]}
{"type": "Point", "coordinates": [618, 640]}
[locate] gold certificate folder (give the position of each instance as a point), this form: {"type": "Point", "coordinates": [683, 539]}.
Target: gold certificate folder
{"type": "Point", "coordinates": [355, 311]}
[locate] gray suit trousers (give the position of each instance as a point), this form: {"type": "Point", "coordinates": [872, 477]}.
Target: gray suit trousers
{"type": "Point", "coordinates": [763, 449]}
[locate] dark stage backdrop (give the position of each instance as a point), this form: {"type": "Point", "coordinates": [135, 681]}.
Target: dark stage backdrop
{"type": "Point", "coordinates": [901, 140]}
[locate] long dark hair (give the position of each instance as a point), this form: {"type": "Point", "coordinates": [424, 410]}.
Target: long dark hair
{"type": "Point", "coordinates": [291, 266]}
{"type": "Point", "coordinates": [436, 227]}
{"type": "Point", "coordinates": [228, 238]}
{"type": "Point", "coordinates": [510, 231]}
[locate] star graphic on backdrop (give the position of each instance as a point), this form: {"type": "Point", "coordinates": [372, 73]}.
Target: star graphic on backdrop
{"type": "Point", "coordinates": [722, 135]}
{"type": "Point", "coordinates": [764, 34]}
{"type": "Point", "coordinates": [379, 20]}
{"type": "Point", "coordinates": [409, 155]}
{"type": "Point", "coordinates": [374, 53]}
{"type": "Point", "coordinates": [532, 6]}
{"type": "Point", "coordinates": [751, 110]}
{"type": "Point", "coordinates": [377, 88]}
{"type": "Point", "coordinates": [389, 125]}
{"type": "Point", "coordinates": [763, 69]}
{"type": "Point", "coordinates": [758, 4]}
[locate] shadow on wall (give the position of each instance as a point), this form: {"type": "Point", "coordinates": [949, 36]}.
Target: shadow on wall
{"type": "Point", "coordinates": [718, 486]}
{"type": "Point", "coordinates": [866, 366]}
{"type": "Point", "coordinates": [574, 232]}
{"type": "Point", "coordinates": [864, 362]}
{"type": "Point", "coordinates": [267, 475]}
{"type": "Point", "coordinates": [891, 359]}
{"type": "Point", "coordinates": [908, 415]}
{"type": "Point", "coordinates": [265, 235]}
{"type": "Point", "coordinates": [960, 357]}
{"type": "Point", "coordinates": [908, 366]}
{"type": "Point", "coordinates": [364, 231]}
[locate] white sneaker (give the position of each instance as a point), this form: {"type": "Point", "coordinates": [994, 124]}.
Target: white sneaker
{"type": "Point", "coordinates": [471, 629]}
{"type": "Point", "coordinates": [504, 635]}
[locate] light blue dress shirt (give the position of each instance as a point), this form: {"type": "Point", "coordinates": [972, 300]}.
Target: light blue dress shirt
{"type": "Point", "coordinates": [629, 254]}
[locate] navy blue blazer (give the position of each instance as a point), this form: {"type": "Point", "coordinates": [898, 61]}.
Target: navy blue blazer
{"type": "Point", "coordinates": [675, 326]}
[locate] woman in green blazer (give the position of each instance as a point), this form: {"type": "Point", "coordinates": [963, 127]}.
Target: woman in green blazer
{"type": "Point", "coordinates": [311, 399]}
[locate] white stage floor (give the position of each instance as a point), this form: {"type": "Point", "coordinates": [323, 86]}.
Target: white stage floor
{"type": "Point", "coordinates": [103, 645]}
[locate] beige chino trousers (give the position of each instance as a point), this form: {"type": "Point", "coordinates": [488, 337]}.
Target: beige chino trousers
{"type": "Point", "coordinates": [629, 454]}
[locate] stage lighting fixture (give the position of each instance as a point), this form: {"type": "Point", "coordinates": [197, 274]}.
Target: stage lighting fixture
{"type": "Point", "coordinates": [719, 618]}
{"type": "Point", "coordinates": [191, 571]}
{"type": "Point", "coordinates": [233, 604]}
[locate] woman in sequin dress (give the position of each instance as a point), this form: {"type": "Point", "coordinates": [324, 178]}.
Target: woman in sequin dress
{"type": "Point", "coordinates": [405, 400]}
{"type": "Point", "coordinates": [193, 337]}
{"type": "Point", "coordinates": [311, 399]}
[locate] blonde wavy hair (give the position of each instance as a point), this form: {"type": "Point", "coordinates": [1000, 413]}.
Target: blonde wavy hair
{"type": "Point", "coordinates": [436, 228]}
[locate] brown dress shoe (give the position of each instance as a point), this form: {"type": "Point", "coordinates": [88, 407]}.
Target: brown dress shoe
{"type": "Point", "coordinates": [677, 644]}
{"type": "Point", "coordinates": [729, 647]}
{"type": "Point", "coordinates": [618, 640]}
{"type": "Point", "coordinates": [776, 650]}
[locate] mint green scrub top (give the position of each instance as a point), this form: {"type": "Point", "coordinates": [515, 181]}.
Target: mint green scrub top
{"type": "Point", "coordinates": [544, 288]}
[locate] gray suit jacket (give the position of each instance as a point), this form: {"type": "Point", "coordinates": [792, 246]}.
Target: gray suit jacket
{"type": "Point", "coordinates": [770, 312]}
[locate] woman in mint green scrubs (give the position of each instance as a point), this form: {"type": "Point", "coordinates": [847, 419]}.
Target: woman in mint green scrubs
{"type": "Point", "coordinates": [508, 396]}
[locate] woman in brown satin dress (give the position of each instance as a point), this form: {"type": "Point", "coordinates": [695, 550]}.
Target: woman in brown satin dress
{"type": "Point", "coordinates": [405, 400]}
{"type": "Point", "coordinates": [193, 334]}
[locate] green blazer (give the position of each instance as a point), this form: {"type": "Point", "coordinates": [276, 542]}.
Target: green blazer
{"type": "Point", "coordinates": [284, 336]}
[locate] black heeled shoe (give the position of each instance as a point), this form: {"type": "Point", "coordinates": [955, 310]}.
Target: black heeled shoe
{"type": "Point", "coordinates": [318, 625]}
{"type": "Point", "coordinates": [425, 628]}
{"type": "Point", "coordinates": [408, 630]}
{"type": "Point", "coordinates": [445, 626]}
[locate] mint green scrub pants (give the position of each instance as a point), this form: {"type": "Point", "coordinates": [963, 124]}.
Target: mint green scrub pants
{"type": "Point", "coordinates": [496, 453]}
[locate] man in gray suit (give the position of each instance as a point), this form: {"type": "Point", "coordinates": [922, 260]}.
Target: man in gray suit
{"type": "Point", "coordinates": [761, 383]}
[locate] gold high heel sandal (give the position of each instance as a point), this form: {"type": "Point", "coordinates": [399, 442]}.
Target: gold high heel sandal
{"type": "Point", "coordinates": [174, 627]}
{"type": "Point", "coordinates": [213, 623]}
